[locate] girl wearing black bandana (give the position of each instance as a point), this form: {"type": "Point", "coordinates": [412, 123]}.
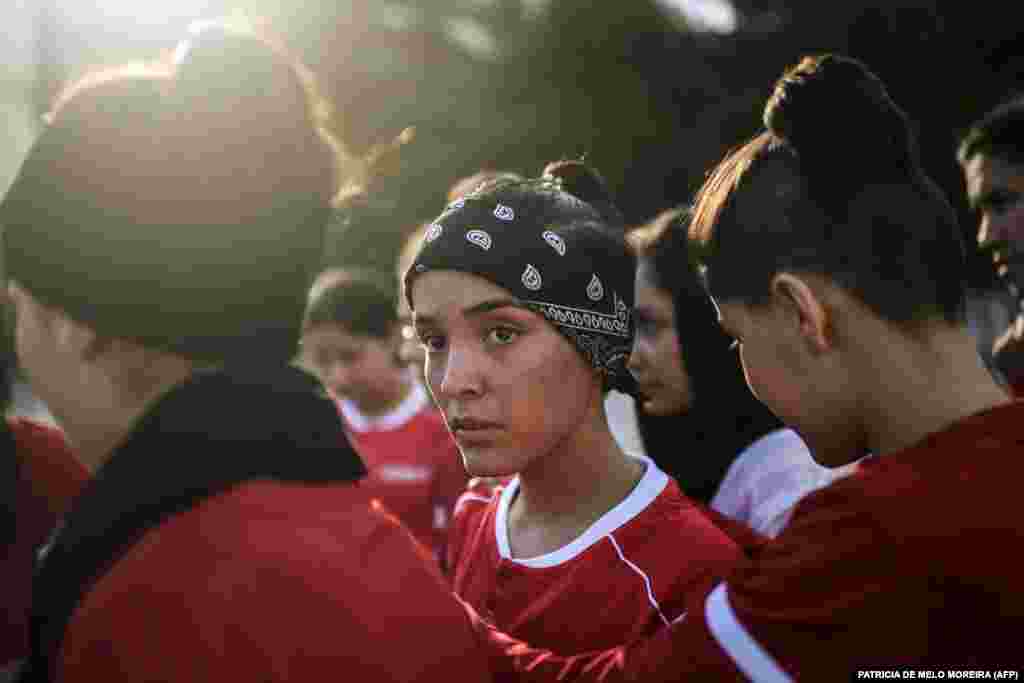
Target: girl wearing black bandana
{"type": "Point", "coordinates": [522, 295]}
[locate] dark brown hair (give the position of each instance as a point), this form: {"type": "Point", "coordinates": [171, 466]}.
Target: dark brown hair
{"type": "Point", "coordinates": [361, 301]}
{"type": "Point", "coordinates": [833, 187]}
{"type": "Point", "coordinates": [999, 133]}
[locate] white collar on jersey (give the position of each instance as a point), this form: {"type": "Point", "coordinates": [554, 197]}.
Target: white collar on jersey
{"type": "Point", "coordinates": [650, 486]}
{"type": "Point", "coordinates": [410, 406]}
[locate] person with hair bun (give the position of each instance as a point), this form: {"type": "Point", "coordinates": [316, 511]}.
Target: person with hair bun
{"type": "Point", "coordinates": [992, 158]}
{"type": "Point", "coordinates": [160, 239]}
{"type": "Point", "coordinates": [836, 263]}
{"type": "Point", "coordinates": [727, 444]}
{"type": "Point", "coordinates": [522, 295]}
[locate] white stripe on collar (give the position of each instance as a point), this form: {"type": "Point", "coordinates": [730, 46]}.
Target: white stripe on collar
{"type": "Point", "coordinates": [643, 494]}
{"type": "Point", "coordinates": [410, 406]}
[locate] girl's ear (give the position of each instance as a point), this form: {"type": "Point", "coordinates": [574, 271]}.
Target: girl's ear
{"type": "Point", "coordinates": [798, 300]}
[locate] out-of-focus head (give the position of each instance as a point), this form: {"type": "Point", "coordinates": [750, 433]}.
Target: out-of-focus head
{"type": "Point", "coordinates": [521, 294]}
{"type": "Point", "coordinates": [823, 225]}
{"type": "Point", "coordinates": [992, 156]}
{"type": "Point", "coordinates": [182, 203]}
{"type": "Point", "coordinates": [349, 336]}
{"type": "Point", "coordinates": [664, 275]}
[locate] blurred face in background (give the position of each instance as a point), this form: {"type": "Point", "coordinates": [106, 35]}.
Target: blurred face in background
{"type": "Point", "coordinates": [996, 190]}
{"type": "Point", "coordinates": [656, 361]}
{"type": "Point", "coordinates": [360, 368]}
{"type": "Point", "coordinates": [511, 388]}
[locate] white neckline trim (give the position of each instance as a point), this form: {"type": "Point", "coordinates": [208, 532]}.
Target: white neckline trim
{"type": "Point", "coordinates": [650, 486]}
{"type": "Point", "coordinates": [410, 406]}
{"type": "Point", "coordinates": [752, 659]}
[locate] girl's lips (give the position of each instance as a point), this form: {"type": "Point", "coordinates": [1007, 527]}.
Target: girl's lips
{"type": "Point", "coordinates": [469, 424]}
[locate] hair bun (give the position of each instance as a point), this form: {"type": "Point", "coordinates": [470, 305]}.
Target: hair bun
{"type": "Point", "coordinates": [831, 101]}
{"type": "Point", "coordinates": [585, 183]}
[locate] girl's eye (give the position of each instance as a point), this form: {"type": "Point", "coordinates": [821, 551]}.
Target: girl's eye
{"type": "Point", "coordinates": [432, 342]}
{"type": "Point", "coordinates": [502, 336]}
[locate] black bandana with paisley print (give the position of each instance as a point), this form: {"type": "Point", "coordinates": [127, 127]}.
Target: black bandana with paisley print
{"type": "Point", "coordinates": [554, 253]}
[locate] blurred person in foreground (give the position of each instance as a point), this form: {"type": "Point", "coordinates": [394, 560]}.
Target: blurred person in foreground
{"type": "Point", "coordinates": [992, 157]}
{"type": "Point", "coordinates": [41, 477]}
{"type": "Point", "coordinates": [351, 339]}
{"type": "Point", "coordinates": [838, 266]}
{"type": "Point", "coordinates": [521, 296]}
{"type": "Point", "coordinates": [160, 240]}
{"type": "Point", "coordinates": [687, 368]}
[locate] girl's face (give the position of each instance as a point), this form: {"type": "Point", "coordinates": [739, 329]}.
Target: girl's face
{"type": "Point", "coordinates": [656, 361]}
{"type": "Point", "coordinates": [511, 388]}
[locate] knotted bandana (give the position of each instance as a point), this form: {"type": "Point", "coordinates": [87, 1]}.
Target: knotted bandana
{"type": "Point", "coordinates": [554, 253]}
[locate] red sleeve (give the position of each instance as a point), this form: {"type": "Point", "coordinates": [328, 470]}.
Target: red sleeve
{"type": "Point", "coordinates": [308, 604]}
{"type": "Point", "coordinates": [739, 532]}
{"type": "Point", "coordinates": [56, 475]}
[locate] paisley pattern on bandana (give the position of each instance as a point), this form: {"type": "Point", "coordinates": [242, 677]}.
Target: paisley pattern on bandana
{"type": "Point", "coordinates": [479, 238]}
{"type": "Point", "coordinates": [556, 242]}
{"type": "Point", "coordinates": [433, 232]}
{"type": "Point", "coordinates": [504, 213]}
{"type": "Point", "coordinates": [595, 290]}
{"type": "Point", "coordinates": [531, 278]}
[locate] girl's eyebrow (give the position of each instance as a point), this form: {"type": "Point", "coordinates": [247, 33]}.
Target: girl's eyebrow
{"type": "Point", "coordinates": [493, 305]}
{"type": "Point", "coordinates": [487, 306]}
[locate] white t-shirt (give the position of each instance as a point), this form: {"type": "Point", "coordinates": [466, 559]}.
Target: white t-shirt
{"type": "Point", "coordinates": [768, 478]}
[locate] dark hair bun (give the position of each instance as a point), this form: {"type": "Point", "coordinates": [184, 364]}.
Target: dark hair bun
{"type": "Point", "coordinates": [585, 183]}
{"type": "Point", "coordinates": [833, 108]}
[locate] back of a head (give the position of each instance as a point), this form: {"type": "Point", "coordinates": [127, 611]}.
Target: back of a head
{"type": "Point", "coordinates": [1000, 134]}
{"type": "Point", "coordinates": [360, 301]}
{"type": "Point", "coordinates": [833, 187]}
{"type": "Point", "coordinates": [181, 204]}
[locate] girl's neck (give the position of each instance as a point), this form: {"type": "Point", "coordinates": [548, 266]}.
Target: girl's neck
{"type": "Point", "coordinates": [947, 382]}
{"type": "Point", "coordinates": [561, 494]}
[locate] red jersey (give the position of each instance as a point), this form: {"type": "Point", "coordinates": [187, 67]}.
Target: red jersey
{"type": "Point", "coordinates": [272, 582]}
{"type": "Point", "coordinates": [907, 563]}
{"type": "Point", "coordinates": [613, 583]}
{"type": "Point", "coordinates": [414, 465]}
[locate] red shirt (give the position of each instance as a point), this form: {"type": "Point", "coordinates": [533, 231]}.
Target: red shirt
{"type": "Point", "coordinates": [912, 561]}
{"type": "Point", "coordinates": [613, 583]}
{"type": "Point", "coordinates": [273, 582]}
{"type": "Point", "coordinates": [414, 465]}
{"type": "Point", "coordinates": [49, 478]}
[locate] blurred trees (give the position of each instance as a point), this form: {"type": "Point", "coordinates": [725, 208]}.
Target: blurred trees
{"type": "Point", "coordinates": [650, 101]}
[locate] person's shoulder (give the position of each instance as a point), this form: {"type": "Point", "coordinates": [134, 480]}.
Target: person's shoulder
{"type": "Point", "coordinates": [281, 585]}
{"type": "Point", "coordinates": [779, 448]}
{"type": "Point", "coordinates": [672, 514]}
